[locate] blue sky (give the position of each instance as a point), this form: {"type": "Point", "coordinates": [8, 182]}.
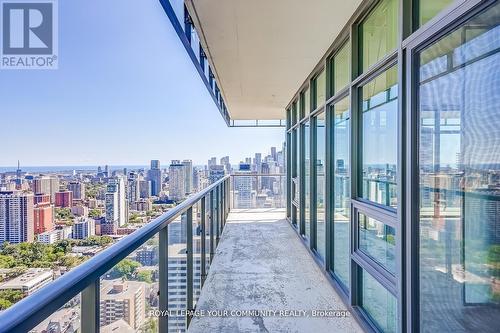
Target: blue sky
{"type": "Point", "coordinates": [125, 92]}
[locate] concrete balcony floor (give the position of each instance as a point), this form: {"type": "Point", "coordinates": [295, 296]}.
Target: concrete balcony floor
{"type": "Point", "coordinates": [261, 264]}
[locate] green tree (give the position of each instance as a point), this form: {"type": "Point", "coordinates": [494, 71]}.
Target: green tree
{"type": "Point", "coordinates": [9, 297]}
{"type": "Point", "coordinates": [126, 268]}
{"type": "Point", "coordinates": [134, 218]}
{"type": "Point", "coordinates": [94, 213]}
{"type": "Point", "coordinates": [145, 276]}
{"type": "Point", "coordinates": [493, 260]}
{"type": "Point", "coordinates": [70, 261]}
{"type": "Point", "coordinates": [6, 261]}
{"type": "Point", "coordinates": [4, 304]}
{"type": "Point", "coordinates": [63, 214]}
{"type": "Point", "coordinates": [150, 326]}
{"type": "Point", "coordinates": [96, 241]}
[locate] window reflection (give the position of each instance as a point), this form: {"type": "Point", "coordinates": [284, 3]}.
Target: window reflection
{"type": "Point", "coordinates": [320, 82]}
{"type": "Point", "coordinates": [320, 184]}
{"type": "Point", "coordinates": [430, 8]}
{"type": "Point", "coordinates": [379, 33]}
{"type": "Point", "coordinates": [378, 240]}
{"type": "Point", "coordinates": [342, 67]}
{"type": "Point", "coordinates": [459, 158]}
{"type": "Point", "coordinates": [307, 102]}
{"type": "Point", "coordinates": [380, 138]}
{"type": "Point", "coordinates": [378, 303]}
{"type": "Point", "coordinates": [342, 191]}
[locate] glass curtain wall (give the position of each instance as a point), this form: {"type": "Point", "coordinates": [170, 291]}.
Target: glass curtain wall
{"type": "Point", "coordinates": [459, 157]}
{"type": "Point", "coordinates": [433, 138]}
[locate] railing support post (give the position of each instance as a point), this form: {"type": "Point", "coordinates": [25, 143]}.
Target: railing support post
{"type": "Point", "coordinates": [212, 227]}
{"type": "Point", "coordinates": [90, 307]}
{"type": "Point", "coordinates": [233, 195]}
{"type": "Point", "coordinates": [203, 241]}
{"type": "Point", "coordinates": [189, 262]}
{"type": "Point", "coordinates": [217, 215]}
{"type": "Point", "coordinates": [227, 196]}
{"type": "Point", "coordinates": [163, 279]}
{"type": "Point", "coordinates": [223, 204]}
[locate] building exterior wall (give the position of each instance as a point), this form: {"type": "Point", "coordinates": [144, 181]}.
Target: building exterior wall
{"type": "Point", "coordinates": [16, 217]}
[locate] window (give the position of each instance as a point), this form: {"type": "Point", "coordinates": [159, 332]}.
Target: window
{"type": "Point", "coordinates": [320, 89]}
{"type": "Point", "coordinates": [379, 33]}
{"type": "Point", "coordinates": [342, 191]}
{"type": "Point", "coordinates": [459, 165]}
{"type": "Point", "coordinates": [380, 139]}
{"type": "Point", "coordinates": [427, 9]}
{"type": "Point", "coordinates": [378, 303]}
{"type": "Point", "coordinates": [307, 178]}
{"type": "Point", "coordinates": [307, 102]}
{"type": "Point", "coordinates": [342, 68]}
{"type": "Point", "coordinates": [378, 241]}
{"type": "Point", "coordinates": [294, 113]}
{"type": "Point", "coordinates": [319, 161]}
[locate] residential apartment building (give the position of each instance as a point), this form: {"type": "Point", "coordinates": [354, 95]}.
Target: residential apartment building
{"type": "Point", "coordinates": [43, 215]}
{"type": "Point", "coordinates": [78, 190]}
{"type": "Point", "coordinates": [154, 176]}
{"type": "Point", "coordinates": [177, 180]}
{"type": "Point", "coordinates": [122, 300]}
{"type": "Point", "coordinates": [46, 185]}
{"type": "Point", "coordinates": [64, 199]}
{"type": "Point", "coordinates": [188, 174]}
{"type": "Point", "coordinates": [116, 203]}
{"type": "Point", "coordinates": [83, 228]}
{"type": "Point", "coordinates": [16, 217]}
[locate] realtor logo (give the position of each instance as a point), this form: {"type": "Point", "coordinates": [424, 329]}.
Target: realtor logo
{"type": "Point", "coordinates": [29, 34]}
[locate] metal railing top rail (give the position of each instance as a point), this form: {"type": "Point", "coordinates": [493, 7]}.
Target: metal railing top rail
{"type": "Point", "coordinates": [30, 311]}
{"type": "Point", "coordinates": [251, 174]}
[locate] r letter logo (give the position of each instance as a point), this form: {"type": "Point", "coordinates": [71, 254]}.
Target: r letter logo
{"type": "Point", "coordinates": [29, 35]}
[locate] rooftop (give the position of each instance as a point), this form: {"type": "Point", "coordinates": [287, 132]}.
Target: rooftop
{"type": "Point", "coordinates": [29, 279]}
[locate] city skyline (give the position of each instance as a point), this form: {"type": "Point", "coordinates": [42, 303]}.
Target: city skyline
{"type": "Point", "coordinates": [163, 163]}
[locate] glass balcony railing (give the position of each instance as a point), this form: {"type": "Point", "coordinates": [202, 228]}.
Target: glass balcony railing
{"type": "Point", "coordinates": [131, 284]}
{"type": "Point", "coordinates": [251, 190]}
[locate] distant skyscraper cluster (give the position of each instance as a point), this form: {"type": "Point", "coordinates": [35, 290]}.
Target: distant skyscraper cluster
{"type": "Point", "coordinates": [51, 206]}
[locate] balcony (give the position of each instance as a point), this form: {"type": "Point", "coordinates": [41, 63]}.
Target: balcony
{"type": "Point", "coordinates": [389, 111]}
{"type": "Point", "coordinates": [253, 270]}
{"type": "Point", "coordinates": [221, 252]}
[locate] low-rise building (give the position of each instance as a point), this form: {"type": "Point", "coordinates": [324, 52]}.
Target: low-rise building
{"type": "Point", "coordinates": [30, 281]}
{"type": "Point", "coordinates": [123, 300]}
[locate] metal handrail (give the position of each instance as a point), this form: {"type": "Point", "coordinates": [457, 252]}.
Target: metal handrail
{"type": "Point", "coordinates": [250, 174]}
{"type": "Point", "coordinates": [30, 311]}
